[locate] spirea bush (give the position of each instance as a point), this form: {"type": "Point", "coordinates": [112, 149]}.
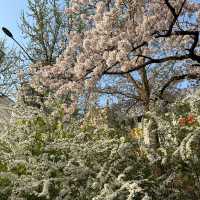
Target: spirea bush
{"type": "Point", "coordinates": [41, 158]}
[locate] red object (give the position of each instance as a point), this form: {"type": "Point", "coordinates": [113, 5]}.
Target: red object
{"type": "Point", "coordinates": [191, 119]}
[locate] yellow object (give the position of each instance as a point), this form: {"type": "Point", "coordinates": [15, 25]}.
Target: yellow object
{"type": "Point", "coordinates": [136, 133]}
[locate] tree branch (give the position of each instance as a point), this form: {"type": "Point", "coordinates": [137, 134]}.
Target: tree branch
{"type": "Point", "coordinates": [152, 61]}
{"type": "Point", "coordinates": [175, 79]}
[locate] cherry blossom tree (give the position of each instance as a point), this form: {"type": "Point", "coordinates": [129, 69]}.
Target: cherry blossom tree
{"type": "Point", "coordinates": [128, 40]}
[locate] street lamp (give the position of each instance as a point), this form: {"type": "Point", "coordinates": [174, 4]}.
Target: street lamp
{"type": "Point", "coordinates": [9, 34]}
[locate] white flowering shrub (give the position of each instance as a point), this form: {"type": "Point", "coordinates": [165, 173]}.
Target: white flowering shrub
{"type": "Point", "coordinates": [178, 153]}
{"type": "Point", "coordinates": [40, 158]}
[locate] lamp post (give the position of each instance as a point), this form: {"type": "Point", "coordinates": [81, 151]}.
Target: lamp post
{"type": "Point", "coordinates": [9, 34]}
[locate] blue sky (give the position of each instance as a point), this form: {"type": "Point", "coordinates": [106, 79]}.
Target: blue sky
{"type": "Point", "coordinates": [10, 12]}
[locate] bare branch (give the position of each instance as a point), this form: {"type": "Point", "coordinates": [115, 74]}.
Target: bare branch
{"type": "Point", "coordinates": [177, 78]}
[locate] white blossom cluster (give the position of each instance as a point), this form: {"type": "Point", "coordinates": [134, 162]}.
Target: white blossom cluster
{"type": "Point", "coordinates": [41, 159]}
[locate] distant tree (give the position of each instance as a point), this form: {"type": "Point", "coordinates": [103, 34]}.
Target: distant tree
{"type": "Point", "coordinates": [45, 26]}
{"type": "Point", "coordinates": [9, 70]}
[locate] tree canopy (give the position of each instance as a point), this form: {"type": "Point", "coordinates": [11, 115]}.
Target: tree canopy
{"type": "Point", "coordinates": [134, 44]}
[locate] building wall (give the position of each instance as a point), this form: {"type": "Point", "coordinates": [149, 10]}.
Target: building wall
{"type": "Point", "coordinates": [5, 110]}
